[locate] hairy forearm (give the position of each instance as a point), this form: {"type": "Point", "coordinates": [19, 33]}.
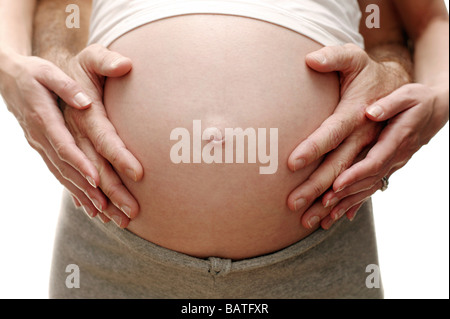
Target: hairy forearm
{"type": "Point", "coordinates": [52, 38]}
{"type": "Point", "coordinates": [387, 44]}
{"type": "Point", "coordinates": [16, 26]}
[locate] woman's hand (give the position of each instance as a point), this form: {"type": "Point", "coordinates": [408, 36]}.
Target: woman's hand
{"type": "Point", "coordinates": [30, 87]}
{"type": "Point", "coordinates": [413, 119]}
{"type": "Point", "coordinates": [347, 134]}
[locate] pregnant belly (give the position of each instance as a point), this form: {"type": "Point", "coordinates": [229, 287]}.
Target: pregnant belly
{"type": "Point", "coordinates": [212, 109]}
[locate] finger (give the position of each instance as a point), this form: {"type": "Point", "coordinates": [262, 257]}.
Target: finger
{"type": "Point", "coordinates": [55, 80]}
{"type": "Point", "coordinates": [117, 216]}
{"type": "Point", "coordinates": [346, 58]}
{"type": "Point", "coordinates": [328, 221]}
{"type": "Point", "coordinates": [102, 61]}
{"type": "Point", "coordinates": [65, 147]}
{"type": "Point", "coordinates": [324, 176]}
{"type": "Point", "coordinates": [107, 143]}
{"type": "Point", "coordinates": [377, 161]}
{"type": "Point", "coordinates": [332, 197]}
{"type": "Point", "coordinates": [351, 213]}
{"type": "Point", "coordinates": [395, 103]}
{"type": "Point", "coordinates": [312, 217]}
{"type": "Point", "coordinates": [110, 183]}
{"type": "Point", "coordinates": [343, 206]}
{"type": "Point", "coordinates": [80, 197]}
{"type": "Point", "coordinates": [325, 139]}
{"type": "Point", "coordinates": [69, 174]}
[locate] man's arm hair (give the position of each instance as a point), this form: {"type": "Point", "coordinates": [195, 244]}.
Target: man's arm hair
{"type": "Point", "coordinates": [52, 38]}
{"type": "Point", "coordinates": [387, 44]}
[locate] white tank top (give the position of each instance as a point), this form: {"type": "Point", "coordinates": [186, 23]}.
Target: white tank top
{"type": "Point", "coordinates": [329, 22]}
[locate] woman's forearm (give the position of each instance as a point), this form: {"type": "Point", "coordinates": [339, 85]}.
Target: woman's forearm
{"type": "Point", "coordinates": [16, 22]}
{"type": "Point", "coordinates": [427, 24]}
{"type": "Point", "coordinates": [431, 55]}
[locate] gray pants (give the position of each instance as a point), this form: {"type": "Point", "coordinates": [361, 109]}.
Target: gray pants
{"type": "Point", "coordinates": [96, 260]}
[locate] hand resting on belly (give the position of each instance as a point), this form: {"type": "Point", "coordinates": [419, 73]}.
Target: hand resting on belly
{"type": "Point", "coordinates": [194, 79]}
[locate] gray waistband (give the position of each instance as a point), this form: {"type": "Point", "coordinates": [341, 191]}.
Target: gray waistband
{"type": "Point", "coordinates": [159, 254]}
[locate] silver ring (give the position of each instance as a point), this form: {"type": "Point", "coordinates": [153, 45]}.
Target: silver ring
{"type": "Point", "coordinates": [385, 181]}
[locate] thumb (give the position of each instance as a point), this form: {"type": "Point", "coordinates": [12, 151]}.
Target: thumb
{"type": "Point", "coordinates": [348, 58]}
{"type": "Point", "coordinates": [104, 62]}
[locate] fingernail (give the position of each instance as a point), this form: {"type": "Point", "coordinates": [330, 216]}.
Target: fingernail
{"type": "Point", "coordinates": [82, 99]}
{"type": "Point", "coordinates": [115, 63]}
{"type": "Point", "coordinates": [91, 181]}
{"type": "Point", "coordinates": [76, 202]}
{"type": "Point", "coordinates": [117, 220]}
{"type": "Point", "coordinates": [353, 217]}
{"type": "Point", "coordinates": [299, 164]}
{"type": "Point", "coordinates": [299, 203]}
{"type": "Point", "coordinates": [97, 205]}
{"type": "Point", "coordinates": [339, 214]}
{"type": "Point", "coordinates": [328, 223]}
{"type": "Point", "coordinates": [103, 218]}
{"type": "Point", "coordinates": [340, 189]}
{"type": "Point", "coordinates": [88, 211]}
{"type": "Point", "coordinates": [319, 58]}
{"type": "Point", "coordinates": [131, 174]}
{"type": "Point", "coordinates": [313, 221]}
{"type": "Point", "coordinates": [375, 111]}
{"type": "Point", "coordinates": [126, 210]}
{"type": "Point", "coordinates": [331, 202]}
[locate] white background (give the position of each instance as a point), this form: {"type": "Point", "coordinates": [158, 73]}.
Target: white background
{"type": "Point", "coordinates": [412, 220]}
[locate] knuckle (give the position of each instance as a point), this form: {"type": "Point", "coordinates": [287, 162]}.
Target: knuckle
{"type": "Point", "coordinates": [334, 134]}
{"type": "Point", "coordinates": [339, 167]}
{"type": "Point", "coordinates": [62, 169]}
{"type": "Point", "coordinates": [45, 71]}
{"type": "Point", "coordinates": [113, 190]}
{"type": "Point", "coordinates": [377, 166]}
{"type": "Point", "coordinates": [315, 149]}
{"type": "Point", "coordinates": [100, 141]}
{"type": "Point", "coordinates": [114, 155]}
{"type": "Point", "coordinates": [318, 189]}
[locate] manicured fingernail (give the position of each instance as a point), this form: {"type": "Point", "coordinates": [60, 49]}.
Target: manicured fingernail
{"type": "Point", "coordinates": [331, 202]}
{"type": "Point", "coordinates": [82, 99]}
{"type": "Point", "coordinates": [88, 211]}
{"type": "Point", "coordinates": [339, 214]}
{"type": "Point", "coordinates": [91, 181]}
{"type": "Point", "coordinates": [340, 189]}
{"type": "Point", "coordinates": [126, 210]}
{"type": "Point", "coordinates": [299, 203]}
{"type": "Point", "coordinates": [352, 217]}
{"type": "Point", "coordinates": [299, 164]}
{"type": "Point", "coordinates": [375, 111]}
{"type": "Point", "coordinates": [313, 221]}
{"type": "Point", "coordinates": [76, 202]}
{"type": "Point", "coordinates": [117, 220]}
{"type": "Point", "coordinates": [97, 205]}
{"type": "Point", "coordinates": [103, 218]}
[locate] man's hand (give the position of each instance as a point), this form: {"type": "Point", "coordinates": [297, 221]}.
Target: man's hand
{"type": "Point", "coordinates": [347, 134]}
{"type": "Point", "coordinates": [96, 136]}
{"type": "Point", "coordinates": [413, 120]}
